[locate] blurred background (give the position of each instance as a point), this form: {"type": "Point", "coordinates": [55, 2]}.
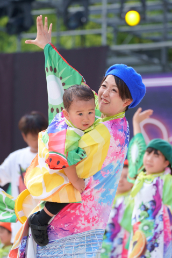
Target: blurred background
{"type": "Point", "coordinates": [91, 35]}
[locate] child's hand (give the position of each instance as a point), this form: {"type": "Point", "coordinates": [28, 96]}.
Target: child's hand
{"type": "Point", "coordinates": [79, 185]}
{"type": "Point", "coordinates": [43, 33]}
{"type": "Point", "coordinates": [141, 116]}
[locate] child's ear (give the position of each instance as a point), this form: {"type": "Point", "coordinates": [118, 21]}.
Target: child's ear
{"type": "Point", "coordinates": [24, 137]}
{"type": "Point", "coordinates": [66, 114]}
{"type": "Point", "coordinates": [166, 163]}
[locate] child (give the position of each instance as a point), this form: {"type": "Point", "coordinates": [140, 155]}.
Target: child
{"type": "Point", "coordinates": [5, 238]}
{"type": "Point", "coordinates": [13, 168]}
{"type": "Point", "coordinates": [79, 112]}
{"type": "Point", "coordinates": [116, 237]}
{"type": "Point", "coordinates": [151, 230]}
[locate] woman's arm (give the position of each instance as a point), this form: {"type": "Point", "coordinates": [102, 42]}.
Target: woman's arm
{"type": "Point", "coordinates": [59, 74]}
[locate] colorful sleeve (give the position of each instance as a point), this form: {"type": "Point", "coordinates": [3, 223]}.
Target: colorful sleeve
{"type": "Point", "coordinates": [62, 144]}
{"type": "Point", "coordinates": [7, 207]}
{"type": "Point", "coordinates": [126, 221]}
{"type": "Point", "coordinates": [167, 196]}
{"type": "Point", "coordinates": [60, 76]}
{"type": "Point", "coordinates": [136, 150]}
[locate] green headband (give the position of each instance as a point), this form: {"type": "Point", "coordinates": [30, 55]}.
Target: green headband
{"type": "Point", "coordinates": [163, 146]}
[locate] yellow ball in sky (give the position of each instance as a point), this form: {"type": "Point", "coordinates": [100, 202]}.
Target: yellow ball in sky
{"type": "Point", "coordinates": [132, 18]}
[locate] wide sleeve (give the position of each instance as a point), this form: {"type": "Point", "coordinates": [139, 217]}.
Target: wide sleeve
{"type": "Point", "coordinates": [60, 76]}
{"type": "Point", "coordinates": [167, 196]}
{"type": "Point", "coordinates": [62, 143]}
{"type": "Point", "coordinates": [7, 207]}
{"type": "Point", "coordinates": [136, 150]}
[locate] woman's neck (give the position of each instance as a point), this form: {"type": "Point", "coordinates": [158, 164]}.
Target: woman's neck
{"type": "Point", "coordinates": [105, 116]}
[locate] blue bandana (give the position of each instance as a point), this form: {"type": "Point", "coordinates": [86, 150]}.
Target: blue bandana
{"type": "Point", "coordinates": [132, 79]}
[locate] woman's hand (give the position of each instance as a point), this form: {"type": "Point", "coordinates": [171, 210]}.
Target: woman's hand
{"type": "Point", "coordinates": [79, 185]}
{"type": "Point", "coordinates": [43, 33]}
{"type": "Point", "coordinates": [139, 117]}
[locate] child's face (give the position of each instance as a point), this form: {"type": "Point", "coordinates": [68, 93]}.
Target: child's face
{"type": "Point", "coordinates": [31, 140]}
{"type": "Point", "coordinates": [154, 162]}
{"type": "Point", "coordinates": [81, 113]}
{"type": "Point", "coordinates": [5, 236]}
{"type": "Point", "coordinates": [124, 185]}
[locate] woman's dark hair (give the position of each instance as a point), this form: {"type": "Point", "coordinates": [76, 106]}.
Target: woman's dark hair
{"type": "Point", "coordinates": [77, 92]}
{"type": "Point", "coordinates": [33, 123]}
{"type": "Point", "coordinates": [124, 91]}
{"type": "Point", "coordinates": [150, 149]}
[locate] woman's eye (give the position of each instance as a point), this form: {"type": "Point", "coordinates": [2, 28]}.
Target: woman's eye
{"type": "Point", "coordinates": [103, 85]}
{"type": "Point", "coordinates": [114, 90]}
{"type": "Point", "coordinates": [80, 114]}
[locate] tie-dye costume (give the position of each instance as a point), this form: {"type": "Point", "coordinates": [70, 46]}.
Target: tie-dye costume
{"type": "Point", "coordinates": [63, 145]}
{"type": "Point", "coordinates": [77, 230]}
{"type": "Point", "coordinates": [150, 211]}
{"type": "Point", "coordinates": [115, 243]}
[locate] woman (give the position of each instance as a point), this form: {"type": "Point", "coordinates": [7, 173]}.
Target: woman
{"type": "Point", "coordinates": [77, 231]}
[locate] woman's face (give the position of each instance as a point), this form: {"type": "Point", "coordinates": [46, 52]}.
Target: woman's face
{"type": "Point", "coordinates": [110, 103]}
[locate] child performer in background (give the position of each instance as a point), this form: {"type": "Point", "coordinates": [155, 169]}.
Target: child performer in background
{"type": "Point", "coordinates": [152, 199]}
{"type": "Point", "coordinates": [116, 237]}
{"type": "Point", "coordinates": [5, 239]}
{"type": "Point", "coordinates": [116, 242]}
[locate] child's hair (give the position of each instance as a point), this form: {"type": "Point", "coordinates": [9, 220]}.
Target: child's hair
{"type": "Point", "coordinates": [124, 91]}
{"type": "Point", "coordinates": [6, 225]}
{"type": "Point", "coordinates": [77, 92]}
{"type": "Point", "coordinates": [150, 149]}
{"type": "Point", "coordinates": [125, 164]}
{"type": "Point", "coordinates": [6, 229]}
{"type": "Point", "coordinates": [33, 123]}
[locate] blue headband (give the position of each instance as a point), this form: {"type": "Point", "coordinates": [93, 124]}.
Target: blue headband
{"type": "Point", "coordinates": [132, 79]}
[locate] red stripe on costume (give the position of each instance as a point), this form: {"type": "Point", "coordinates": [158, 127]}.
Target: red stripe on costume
{"type": "Point", "coordinates": [13, 253]}
{"type": "Point", "coordinates": [55, 144]}
{"type": "Point", "coordinates": [63, 57]}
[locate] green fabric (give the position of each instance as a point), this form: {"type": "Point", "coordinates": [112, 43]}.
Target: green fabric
{"type": "Point", "coordinates": [64, 74]}
{"type": "Point", "coordinates": [127, 216]}
{"type": "Point", "coordinates": [76, 156]}
{"type": "Point", "coordinates": [167, 196]}
{"type": "Point", "coordinates": [163, 146]}
{"type": "Point", "coordinates": [9, 189]}
{"type": "Point", "coordinates": [7, 204]}
{"type": "Point", "coordinates": [72, 140]}
{"type": "Point", "coordinates": [96, 101]}
{"type": "Point", "coordinates": [45, 138]}
{"type": "Point", "coordinates": [142, 177]}
{"type": "Point", "coordinates": [4, 250]}
{"type": "Point", "coordinates": [136, 150]}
